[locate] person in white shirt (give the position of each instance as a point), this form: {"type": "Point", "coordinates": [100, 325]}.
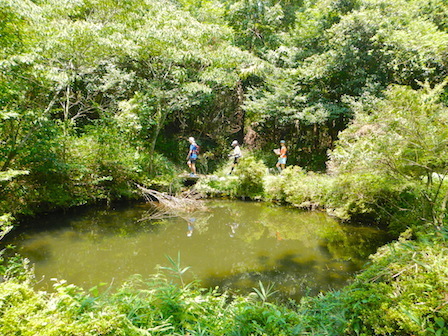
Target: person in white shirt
{"type": "Point", "coordinates": [236, 154]}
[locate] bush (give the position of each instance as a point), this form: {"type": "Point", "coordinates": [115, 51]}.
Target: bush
{"type": "Point", "coordinates": [69, 311]}
{"type": "Point", "coordinates": [306, 190]}
{"type": "Point", "coordinates": [323, 314]}
{"type": "Point", "coordinates": [101, 165]}
{"type": "Point", "coordinates": [247, 180]}
{"type": "Point", "coordinates": [375, 197]}
{"type": "Point", "coordinates": [274, 188]}
{"type": "Point", "coordinates": [402, 293]}
{"type": "Point", "coordinates": [251, 175]}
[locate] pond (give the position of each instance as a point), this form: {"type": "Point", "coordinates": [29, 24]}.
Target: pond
{"type": "Point", "coordinates": [233, 245]}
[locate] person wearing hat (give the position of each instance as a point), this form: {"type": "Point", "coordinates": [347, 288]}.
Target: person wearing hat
{"type": "Point", "coordinates": [192, 156]}
{"type": "Point", "coordinates": [236, 154]}
{"type": "Point", "coordinates": [281, 163]}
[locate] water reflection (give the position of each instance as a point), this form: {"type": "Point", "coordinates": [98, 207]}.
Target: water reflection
{"type": "Point", "coordinates": [232, 245]}
{"type": "Point", "coordinates": [233, 227]}
{"type": "Point", "coordinates": [190, 227]}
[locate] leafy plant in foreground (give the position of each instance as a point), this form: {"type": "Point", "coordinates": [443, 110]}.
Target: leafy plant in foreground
{"type": "Point", "coordinates": [265, 292]}
{"type": "Point", "coordinates": [176, 269]}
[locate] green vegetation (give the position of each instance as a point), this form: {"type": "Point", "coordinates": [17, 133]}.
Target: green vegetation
{"type": "Point", "coordinates": [151, 307]}
{"type": "Point", "coordinates": [247, 182]}
{"type": "Point", "coordinates": [402, 293]}
{"type": "Point", "coordinates": [97, 95]}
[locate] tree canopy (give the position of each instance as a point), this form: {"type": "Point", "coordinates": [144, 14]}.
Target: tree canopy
{"type": "Point", "coordinates": [150, 73]}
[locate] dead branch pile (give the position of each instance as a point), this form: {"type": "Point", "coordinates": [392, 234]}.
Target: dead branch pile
{"type": "Point", "coordinates": [168, 205]}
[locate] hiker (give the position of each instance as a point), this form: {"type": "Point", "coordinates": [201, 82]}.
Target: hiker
{"type": "Point", "coordinates": [281, 163]}
{"type": "Point", "coordinates": [192, 156]}
{"type": "Point", "coordinates": [236, 154]}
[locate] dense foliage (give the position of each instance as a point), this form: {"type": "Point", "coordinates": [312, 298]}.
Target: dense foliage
{"type": "Point", "coordinates": [88, 87]}
{"type": "Point", "coordinates": [150, 73]}
{"type": "Point", "coordinates": [403, 292]}
{"type": "Point", "coordinates": [388, 166]}
{"type": "Point", "coordinates": [99, 95]}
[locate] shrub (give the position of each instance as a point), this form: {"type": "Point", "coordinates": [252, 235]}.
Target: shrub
{"type": "Point", "coordinates": [101, 166]}
{"type": "Point", "coordinates": [67, 312]}
{"type": "Point", "coordinates": [376, 198]}
{"type": "Point", "coordinates": [274, 188]}
{"type": "Point", "coordinates": [402, 293]}
{"type": "Point", "coordinates": [250, 174]}
{"type": "Point", "coordinates": [253, 318]}
{"type": "Point", "coordinates": [218, 186]}
{"type": "Point", "coordinates": [247, 180]}
{"type": "Point", "coordinates": [305, 190]}
{"type": "Point", "coordinates": [323, 314]}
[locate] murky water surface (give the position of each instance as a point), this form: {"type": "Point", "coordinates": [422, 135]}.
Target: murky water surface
{"type": "Point", "coordinates": [232, 245]}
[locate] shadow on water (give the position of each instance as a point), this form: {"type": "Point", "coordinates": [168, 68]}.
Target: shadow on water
{"type": "Point", "coordinates": [292, 278]}
{"type": "Point", "coordinates": [233, 245]}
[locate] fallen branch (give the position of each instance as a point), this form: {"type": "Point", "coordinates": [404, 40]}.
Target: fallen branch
{"type": "Point", "coordinates": [168, 205]}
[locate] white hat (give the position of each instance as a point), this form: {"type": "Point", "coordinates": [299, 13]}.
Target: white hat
{"type": "Point", "coordinates": [234, 143]}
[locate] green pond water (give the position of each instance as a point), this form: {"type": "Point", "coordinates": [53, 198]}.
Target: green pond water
{"type": "Point", "coordinates": [232, 245]}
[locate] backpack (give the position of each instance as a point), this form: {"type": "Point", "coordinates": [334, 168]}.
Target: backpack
{"type": "Point", "coordinates": [197, 150]}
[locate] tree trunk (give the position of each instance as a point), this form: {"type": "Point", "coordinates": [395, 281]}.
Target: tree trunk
{"type": "Point", "coordinates": [161, 117]}
{"type": "Point", "coordinates": [8, 161]}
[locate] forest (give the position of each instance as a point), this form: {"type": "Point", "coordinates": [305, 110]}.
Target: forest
{"type": "Point", "coordinates": [98, 96]}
